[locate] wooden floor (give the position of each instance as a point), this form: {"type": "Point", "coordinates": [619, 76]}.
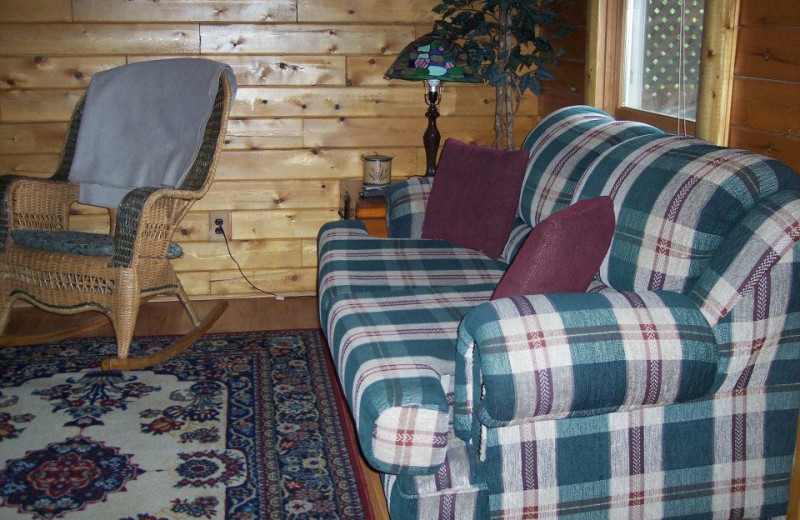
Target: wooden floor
{"type": "Point", "coordinates": [250, 314]}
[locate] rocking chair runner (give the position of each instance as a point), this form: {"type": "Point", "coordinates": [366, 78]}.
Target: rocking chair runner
{"type": "Point", "coordinates": [69, 272]}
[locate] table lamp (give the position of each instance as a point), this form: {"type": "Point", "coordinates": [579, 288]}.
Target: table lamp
{"type": "Point", "coordinates": [432, 59]}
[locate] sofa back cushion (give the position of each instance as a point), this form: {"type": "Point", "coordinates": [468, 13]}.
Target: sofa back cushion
{"type": "Point", "coordinates": [561, 147]}
{"type": "Point", "coordinates": [474, 199]}
{"type": "Point", "coordinates": [677, 199]}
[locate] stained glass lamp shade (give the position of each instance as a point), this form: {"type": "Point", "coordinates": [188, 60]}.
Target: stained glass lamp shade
{"type": "Point", "coordinates": [432, 59]}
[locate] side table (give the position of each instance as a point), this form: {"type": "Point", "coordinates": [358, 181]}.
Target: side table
{"type": "Point", "coordinates": [369, 210]}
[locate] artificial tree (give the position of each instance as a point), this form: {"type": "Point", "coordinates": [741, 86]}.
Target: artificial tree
{"type": "Point", "coordinates": [508, 43]}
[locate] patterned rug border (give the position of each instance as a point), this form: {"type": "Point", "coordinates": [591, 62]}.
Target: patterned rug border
{"type": "Point", "coordinates": [332, 389]}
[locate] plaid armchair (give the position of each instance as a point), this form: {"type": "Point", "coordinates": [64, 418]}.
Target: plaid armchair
{"type": "Point", "coordinates": [669, 389]}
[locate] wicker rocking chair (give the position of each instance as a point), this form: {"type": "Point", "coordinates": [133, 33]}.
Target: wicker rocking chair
{"type": "Point", "coordinates": [69, 272]}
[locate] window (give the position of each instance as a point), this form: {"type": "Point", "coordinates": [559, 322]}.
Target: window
{"type": "Point", "coordinates": [661, 71]}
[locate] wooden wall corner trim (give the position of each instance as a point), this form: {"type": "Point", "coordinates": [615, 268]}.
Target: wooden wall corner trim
{"type": "Point", "coordinates": [720, 32]}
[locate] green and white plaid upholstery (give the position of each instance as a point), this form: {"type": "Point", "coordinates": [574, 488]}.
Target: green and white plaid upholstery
{"type": "Point", "coordinates": [405, 207]}
{"type": "Point", "coordinates": [567, 355]}
{"type": "Point", "coordinates": [394, 353]}
{"type": "Point", "coordinates": [670, 389]}
{"type": "Point", "coordinates": [456, 491]}
{"type": "Point", "coordinates": [677, 198]}
{"type": "Point", "coordinates": [563, 145]}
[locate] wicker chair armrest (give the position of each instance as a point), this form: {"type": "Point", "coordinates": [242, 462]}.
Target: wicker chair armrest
{"type": "Point", "coordinates": [31, 203]}
{"type": "Point", "coordinates": [146, 220]}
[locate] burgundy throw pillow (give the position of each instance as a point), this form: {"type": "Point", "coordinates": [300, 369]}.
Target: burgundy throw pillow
{"type": "Point", "coordinates": [563, 252]}
{"type": "Point", "coordinates": [474, 197]}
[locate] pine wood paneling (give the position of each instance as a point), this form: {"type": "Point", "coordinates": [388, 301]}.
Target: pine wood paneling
{"type": "Point", "coordinates": [325, 164]}
{"type": "Point", "coordinates": [31, 137]}
{"type": "Point", "coordinates": [772, 13]}
{"type": "Point", "coordinates": [35, 11]}
{"type": "Point", "coordinates": [304, 39]}
{"type": "Point", "coordinates": [38, 105]}
{"type": "Point", "coordinates": [283, 71]}
{"type": "Point", "coordinates": [74, 39]}
{"type": "Point", "coordinates": [183, 11]}
{"type": "Point", "coordinates": [769, 52]}
{"type": "Point", "coordinates": [766, 105]}
{"type": "Point", "coordinates": [781, 147]}
{"type": "Point", "coordinates": [251, 254]}
{"type": "Point", "coordinates": [365, 11]}
{"type": "Point", "coordinates": [32, 165]}
{"type": "Point", "coordinates": [569, 86]}
{"type": "Point", "coordinates": [281, 281]}
{"type": "Point", "coordinates": [42, 72]}
{"type": "Point", "coordinates": [765, 115]}
{"type": "Point", "coordinates": [270, 194]}
{"type": "Point", "coordinates": [311, 101]}
{"type": "Point", "coordinates": [250, 225]}
{"type": "Point", "coordinates": [263, 134]}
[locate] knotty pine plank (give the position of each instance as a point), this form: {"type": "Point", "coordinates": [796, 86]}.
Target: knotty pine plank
{"type": "Point", "coordinates": [280, 281]}
{"type": "Point", "coordinates": [309, 251]}
{"type": "Point", "coordinates": [45, 11]}
{"type": "Point", "coordinates": [21, 138]}
{"type": "Point", "coordinates": [25, 106]}
{"type": "Point", "coordinates": [304, 39]}
{"type": "Point", "coordinates": [263, 134]}
{"type": "Point", "coordinates": [269, 195]}
{"type": "Point", "coordinates": [69, 39]}
{"type": "Point", "coordinates": [52, 72]}
{"type": "Point", "coordinates": [772, 53]}
{"type": "Point", "coordinates": [766, 105]}
{"type": "Point", "coordinates": [784, 148]}
{"type": "Point", "coordinates": [249, 225]}
{"type": "Point", "coordinates": [365, 11]}
{"type": "Point", "coordinates": [183, 11]}
{"type": "Point", "coordinates": [305, 164]}
{"type": "Point", "coordinates": [287, 70]}
{"type": "Point", "coordinates": [31, 165]}
{"type": "Point", "coordinates": [251, 254]}
{"type": "Point", "coordinates": [769, 14]}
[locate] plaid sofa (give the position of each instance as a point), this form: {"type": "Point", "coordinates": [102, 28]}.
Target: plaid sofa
{"type": "Point", "coordinates": [669, 389]}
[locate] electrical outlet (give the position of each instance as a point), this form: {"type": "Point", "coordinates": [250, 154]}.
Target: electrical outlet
{"type": "Point", "coordinates": [213, 216]}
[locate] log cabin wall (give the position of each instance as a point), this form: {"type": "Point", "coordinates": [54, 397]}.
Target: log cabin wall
{"type": "Point", "coordinates": [312, 100]}
{"type": "Point", "coordinates": [765, 112]}
{"type": "Point", "coordinates": [568, 88]}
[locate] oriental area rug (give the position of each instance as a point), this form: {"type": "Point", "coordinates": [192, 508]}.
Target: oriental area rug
{"type": "Point", "coordinates": [242, 426]}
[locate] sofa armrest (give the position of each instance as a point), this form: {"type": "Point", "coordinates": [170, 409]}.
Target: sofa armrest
{"type": "Point", "coordinates": [394, 373]}
{"type": "Point", "coordinates": [561, 355]}
{"type": "Point", "coordinates": [405, 207]}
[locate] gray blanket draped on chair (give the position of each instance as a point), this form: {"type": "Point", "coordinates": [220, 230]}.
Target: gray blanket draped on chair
{"type": "Point", "coordinates": [125, 141]}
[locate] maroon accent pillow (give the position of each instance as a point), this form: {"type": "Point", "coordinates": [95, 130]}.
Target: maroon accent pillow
{"type": "Point", "coordinates": [474, 198]}
{"type": "Point", "coordinates": [563, 252]}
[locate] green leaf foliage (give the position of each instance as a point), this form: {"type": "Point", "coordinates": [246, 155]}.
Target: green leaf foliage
{"type": "Point", "coordinates": [506, 41]}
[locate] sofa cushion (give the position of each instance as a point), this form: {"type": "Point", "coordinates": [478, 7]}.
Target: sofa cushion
{"type": "Point", "coordinates": [563, 252]}
{"type": "Point", "coordinates": [351, 262]}
{"type": "Point", "coordinates": [76, 242]}
{"type": "Point", "coordinates": [562, 146]}
{"type": "Point", "coordinates": [473, 202]}
{"type": "Point", "coordinates": [678, 199]}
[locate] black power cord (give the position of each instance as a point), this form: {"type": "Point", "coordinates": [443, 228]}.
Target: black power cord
{"type": "Point", "coordinates": [219, 230]}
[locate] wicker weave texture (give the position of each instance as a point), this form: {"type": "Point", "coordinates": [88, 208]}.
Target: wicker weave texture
{"type": "Point", "coordinates": [143, 227]}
